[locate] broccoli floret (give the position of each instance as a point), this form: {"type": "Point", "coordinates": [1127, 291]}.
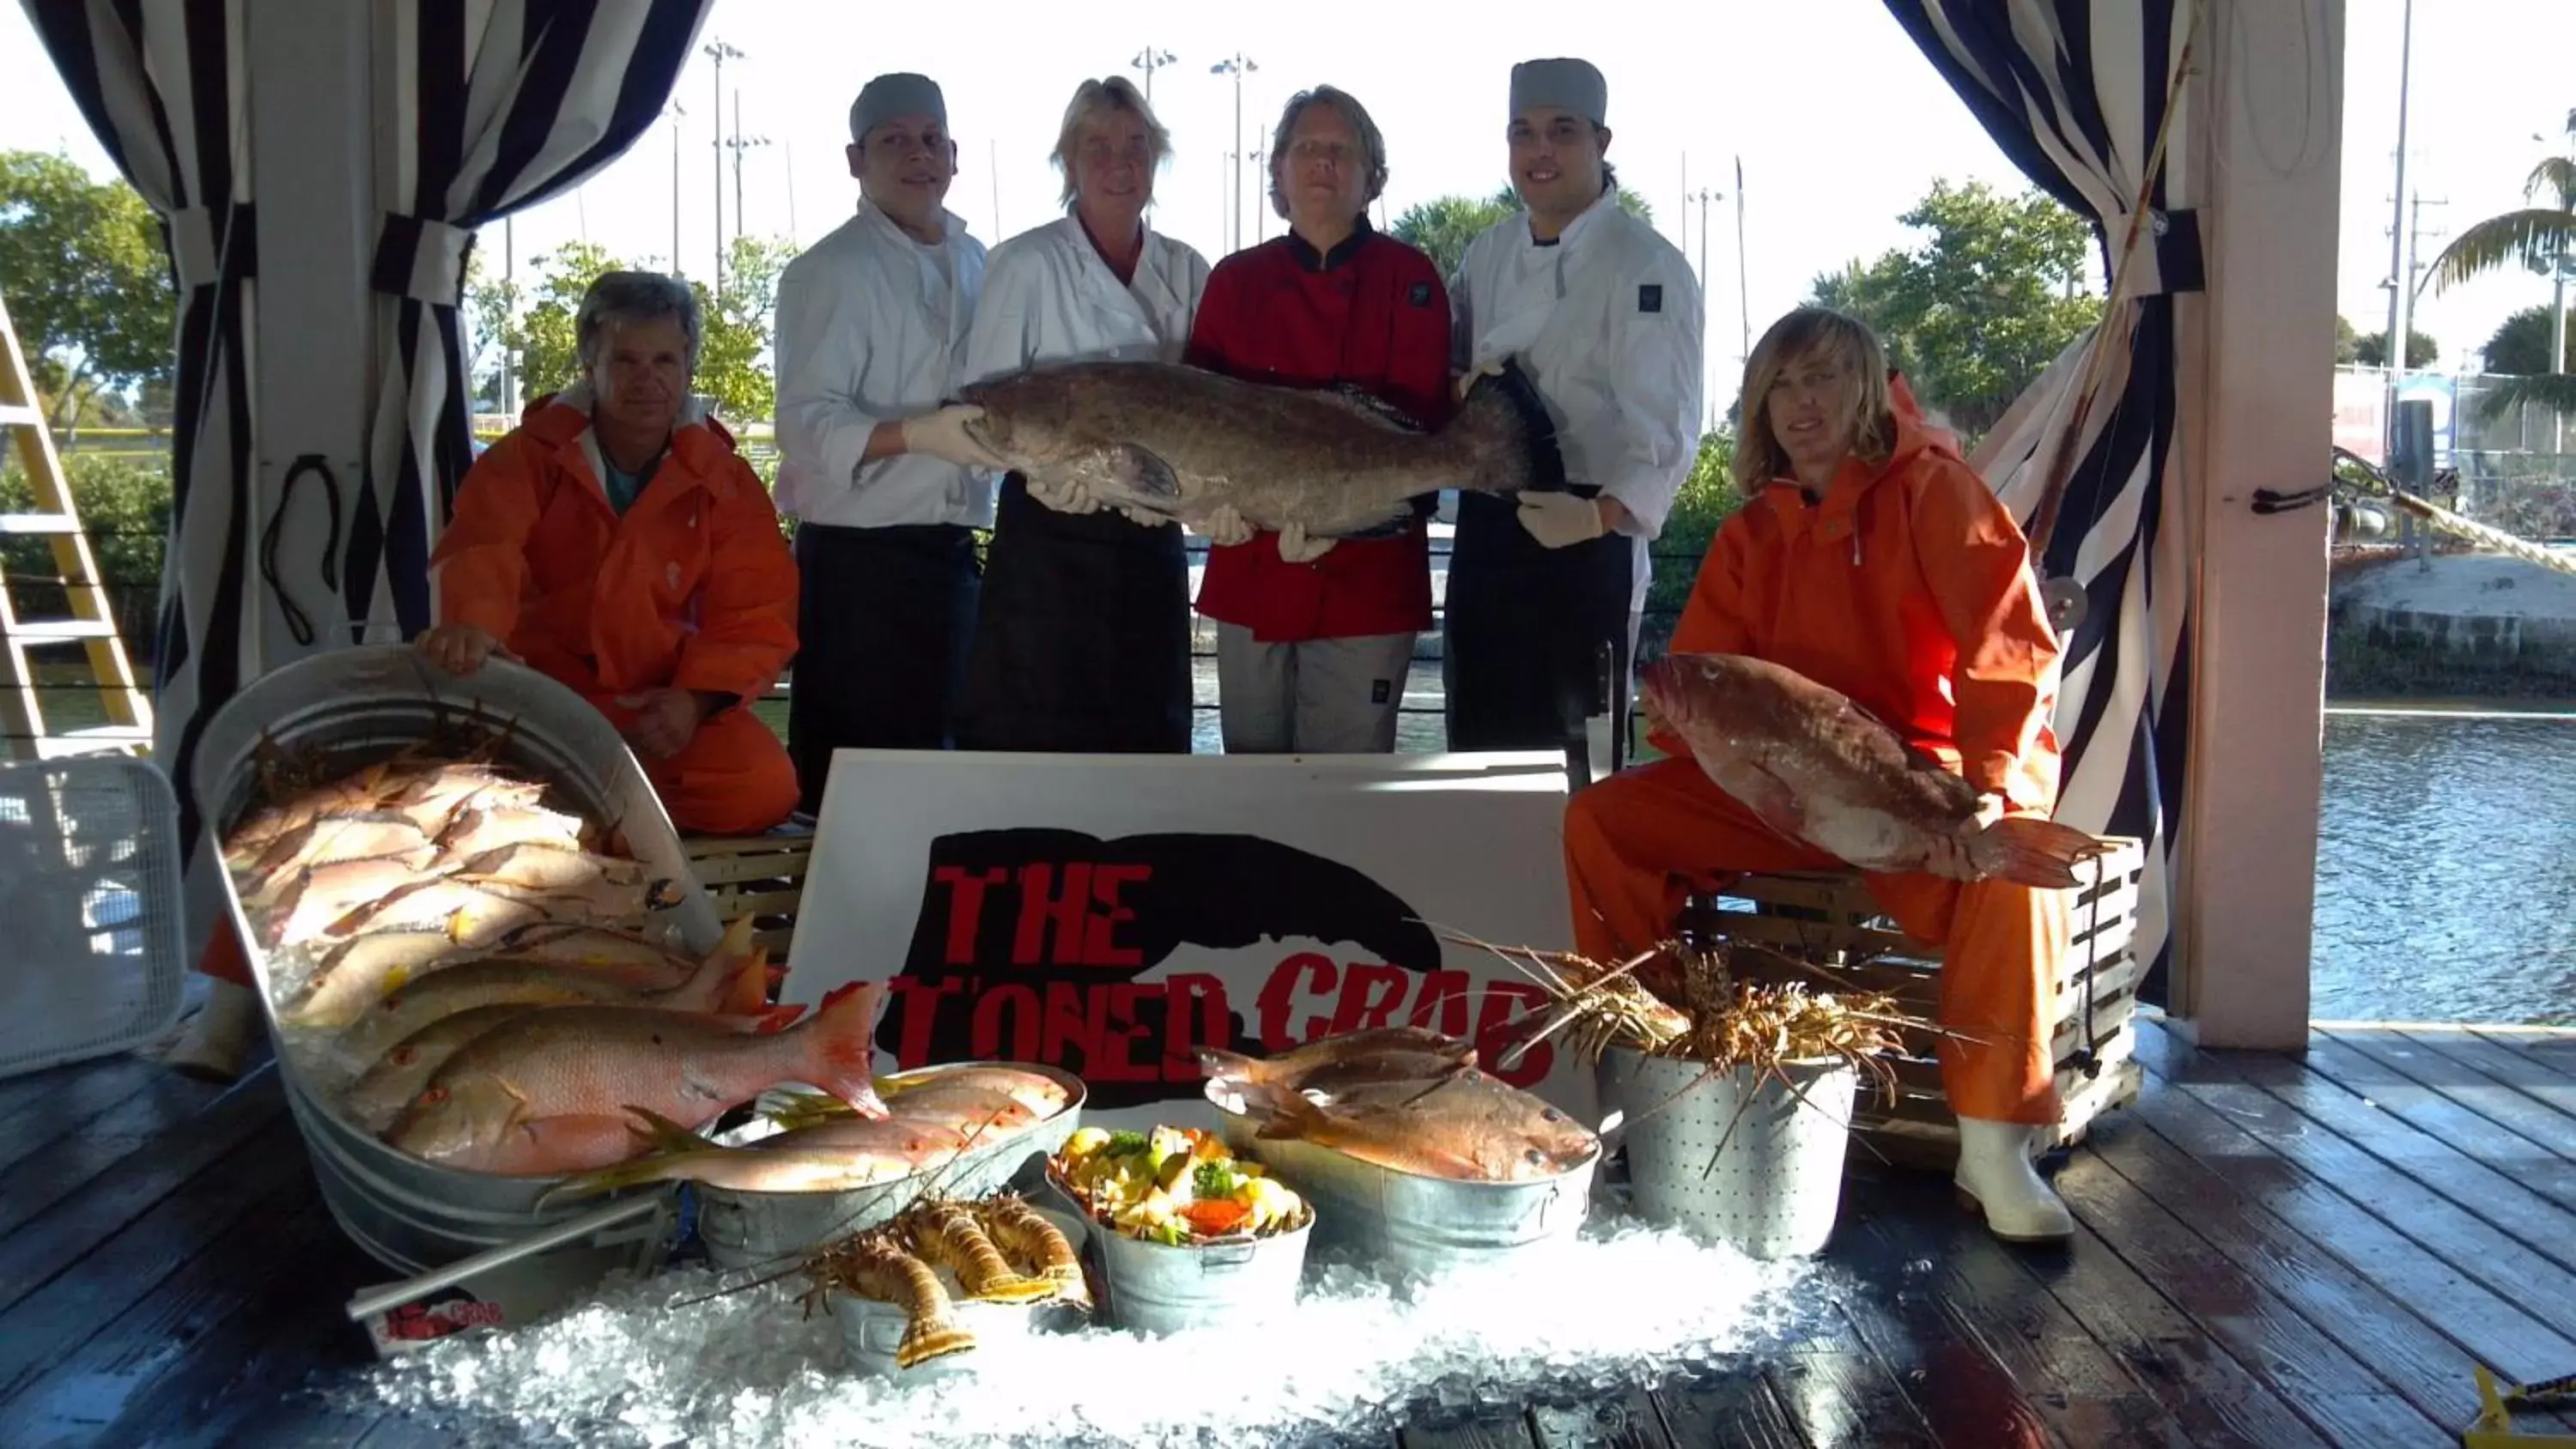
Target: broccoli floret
{"type": "Point", "coordinates": [1212, 1180]}
{"type": "Point", "coordinates": [1125, 1144]}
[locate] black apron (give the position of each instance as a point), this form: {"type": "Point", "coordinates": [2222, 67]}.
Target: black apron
{"type": "Point", "coordinates": [883, 618]}
{"type": "Point", "coordinates": [1526, 630]}
{"type": "Point", "coordinates": [1083, 642]}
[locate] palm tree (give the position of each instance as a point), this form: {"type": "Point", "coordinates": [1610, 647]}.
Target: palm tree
{"type": "Point", "coordinates": [2540, 238]}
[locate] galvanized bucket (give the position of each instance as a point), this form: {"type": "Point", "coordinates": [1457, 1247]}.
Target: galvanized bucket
{"type": "Point", "coordinates": [1760, 1169]}
{"type": "Point", "coordinates": [1409, 1224]}
{"type": "Point", "coordinates": [1158, 1288]}
{"type": "Point", "coordinates": [766, 1229]}
{"type": "Point", "coordinates": [871, 1332]}
{"type": "Point", "coordinates": [362, 704]}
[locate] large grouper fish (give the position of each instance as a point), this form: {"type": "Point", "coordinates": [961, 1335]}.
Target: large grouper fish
{"type": "Point", "coordinates": [1819, 769]}
{"type": "Point", "coordinates": [1183, 442]}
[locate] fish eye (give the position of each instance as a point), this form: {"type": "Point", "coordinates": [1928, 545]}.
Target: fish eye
{"type": "Point", "coordinates": [1550, 1114]}
{"type": "Point", "coordinates": [1535, 1157]}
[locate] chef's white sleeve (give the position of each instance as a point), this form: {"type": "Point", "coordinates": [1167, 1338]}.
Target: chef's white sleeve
{"type": "Point", "coordinates": [821, 351]}
{"type": "Point", "coordinates": [1658, 361]}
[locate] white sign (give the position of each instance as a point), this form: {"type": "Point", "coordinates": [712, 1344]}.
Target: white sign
{"type": "Point", "coordinates": [1112, 914]}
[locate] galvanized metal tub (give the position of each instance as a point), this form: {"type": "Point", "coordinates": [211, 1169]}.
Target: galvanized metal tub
{"type": "Point", "coordinates": [1412, 1225]}
{"type": "Point", "coordinates": [1158, 1288]}
{"type": "Point", "coordinates": [1758, 1168]}
{"type": "Point", "coordinates": [766, 1229]}
{"type": "Point", "coordinates": [362, 704]}
{"type": "Point", "coordinates": [871, 1332]}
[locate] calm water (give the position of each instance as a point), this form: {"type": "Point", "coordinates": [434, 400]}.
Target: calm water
{"type": "Point", "coordinates": [2446, 861]}
{"type": "Point", "coordinates": [2446, 870]}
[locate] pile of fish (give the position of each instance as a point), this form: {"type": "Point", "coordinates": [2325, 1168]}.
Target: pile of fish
{"type": "Point", "coordinates": [827, 1147]}
{"type": "Point", "coordinates": [464, 969]}
{"type": "Point", "coordinates": [999, 1250]}
{"type": "Point", "coordinates": [1404, 1098]}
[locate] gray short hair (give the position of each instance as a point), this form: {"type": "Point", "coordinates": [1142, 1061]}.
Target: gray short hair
{"type": "Point", "coordinates": [629, 297]}
{"type": "Point", "coordinates": [1372, 142]}
{"type": "Point", "coordinates": [1095, 99]}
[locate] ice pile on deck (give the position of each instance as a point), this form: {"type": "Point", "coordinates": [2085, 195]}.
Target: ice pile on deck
{"type": "Point", "coordinates": [661, 1362]}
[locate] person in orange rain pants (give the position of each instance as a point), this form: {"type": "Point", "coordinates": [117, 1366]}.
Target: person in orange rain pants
{"type": "Point", "coordinates": [617, 542]}
{"type": "Point", "coordinates": [1874, 561]}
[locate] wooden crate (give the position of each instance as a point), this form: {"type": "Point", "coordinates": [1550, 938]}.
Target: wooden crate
{"type": "Point", "coordinates": [1829, 918]}
{"type": "Point", "coordinates": [761, 876]}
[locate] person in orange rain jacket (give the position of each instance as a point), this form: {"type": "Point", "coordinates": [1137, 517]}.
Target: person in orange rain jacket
{"type": "Point", "coordinates": [1872, 559]}
{"type": "Point", "coordinates": [617, 542]}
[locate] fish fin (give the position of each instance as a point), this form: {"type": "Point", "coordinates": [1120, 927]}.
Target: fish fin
{"type": "Point", "coordinates": [649, 1168]}
{"type": "Point", "coordinates": [844, 1053]}
{"type": "Point", "coordinates": [1505, 425]}
{"type": "Point", "coordinates": [1396, 525]}
{"type": "Point", "coordinates": [2033, 851]}
{"type": "Point", "coordinates": [664, 1134]}
{"type": "Point", "coordinates": [1372, 407]}
{"type": "Point", "coordinates": [749, 994]}
{"type": "Point", "coordinates": [777, 1019]}
{"type": "Point", "coordinates": [1143, 472]}
{"type": "Point", "coordinates": [1765, 794]}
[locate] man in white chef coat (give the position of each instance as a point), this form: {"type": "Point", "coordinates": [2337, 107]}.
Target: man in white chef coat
{"type": "Point", "coordinates": [1604, 315]}
{"type": "Point", "coordinates": [882, 480]}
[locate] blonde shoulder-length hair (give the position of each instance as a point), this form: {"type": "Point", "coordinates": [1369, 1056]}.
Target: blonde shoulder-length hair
{"type": "Point", "coordinates": [1807, 333]}
{"type": "Point", "coordinates": [1094, 100]}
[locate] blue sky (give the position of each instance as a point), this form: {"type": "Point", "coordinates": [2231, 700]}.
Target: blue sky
{"type": "Point", "coordinates": [1840, 123]}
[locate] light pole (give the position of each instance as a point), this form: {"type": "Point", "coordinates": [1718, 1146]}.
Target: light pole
{"type": "Point", "coordinates": [1236, 65]}
{"type": "Point", "coordinates": [1743, 286]}
{"type": "Point", "coordinates": [676, 112]}
{"type": "Point", "coordinates": [738, 144]}
{"type": "Point", "coordinates": [1704, 196]}
{"type": "Point", "coordinates": [2558, 304]}
{"type": "Point", "coordinates": [715, 124]}
{"type": "Point", "coordinates": [2399, 293]}
{"type": "Point", "coordinates": [1261, 191]}
{"type": "Point", "coordinates": [1150, 60]}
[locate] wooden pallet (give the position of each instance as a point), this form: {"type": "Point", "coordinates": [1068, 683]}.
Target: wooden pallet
{"type": "Point", "coordinates": [1829, 918]}
{"type": "Point", "coordinates": [761, 876]}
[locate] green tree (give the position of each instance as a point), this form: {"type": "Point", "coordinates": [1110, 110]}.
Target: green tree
{"type": "Point", "coordinates": [533, 325]}
{"type": "Point", "coordinates": [1982, 304]}
{"type": "Point", "coordinates": [86, 280]}
{"type": "Point", "coordinates": [1704, 501]}
{"type": "Point", "coordinates": [1443, 226]}
{"type": "Point", "coordinates": [2521, 345]}
{"type": "Point", "coordinates": [2370, 349]}
{"type": "Point", "coordinates": [2539, 238]}
{"type": "Point", "coordinates": [2346, 342]}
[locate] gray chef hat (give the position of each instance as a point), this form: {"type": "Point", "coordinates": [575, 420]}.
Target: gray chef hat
{"type": "Point", "coordinates": [897, 93]}
{"type": "Point", "coordinates": [1568, 85]}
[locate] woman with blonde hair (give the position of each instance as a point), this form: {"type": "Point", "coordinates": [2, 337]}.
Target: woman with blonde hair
{"type": "Point", "coordinates": [1083, 640]}
{"type": "Point", "coordinates": [1869, 557]}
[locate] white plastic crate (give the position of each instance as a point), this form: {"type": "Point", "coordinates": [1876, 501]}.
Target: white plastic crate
{"type": "Point", "coordinates": [92, 944]}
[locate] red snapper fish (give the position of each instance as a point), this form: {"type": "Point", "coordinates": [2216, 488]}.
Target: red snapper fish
{"type": "Point", "coordinates": [1819, 769]}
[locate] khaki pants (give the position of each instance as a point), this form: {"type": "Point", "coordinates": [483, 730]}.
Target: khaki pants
{"type": "Point", "coordinates": [1316, 697]}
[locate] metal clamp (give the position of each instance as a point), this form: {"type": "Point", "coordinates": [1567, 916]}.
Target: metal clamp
{"type": "Point", "coordinates": [2493, 1427]}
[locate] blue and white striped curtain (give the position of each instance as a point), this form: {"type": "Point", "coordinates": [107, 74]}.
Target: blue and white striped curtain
{"type": "Point", "coordinates": [493, 107]}
{"type": "Point", "coordinates": [158, 85]}
{"type": "Point", "coordinates": [2075, 92]}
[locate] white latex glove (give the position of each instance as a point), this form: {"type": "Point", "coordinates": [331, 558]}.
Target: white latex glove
{"type": "Point", "coordinates": [1560, 520]}
{"type": "Point", "coordinates": [1225, 527]}
{"type": "Point", "coordinates": [1467, 380]}
{"type": "Point", "coordinates": [942, 435]}
{"type": "Point", "coordinates": [1296, 547]}
{"type": "Point", "coordinates": [1070, 497]}
{"type": "Point", "coordinates": [1141, 516]}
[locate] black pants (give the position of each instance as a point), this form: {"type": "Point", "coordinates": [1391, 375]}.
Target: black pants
{"type": "Point", "coordinates": [1523, 629]}
{"type": "Point", "coordinates": [883, 618]}
{"type": "Point", "coordinates": [1083, 641]}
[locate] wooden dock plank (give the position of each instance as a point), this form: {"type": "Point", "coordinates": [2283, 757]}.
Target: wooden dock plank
{"type": "Point", "coordinates": [2552, 1084]}
{"type": "Point", "coordinates": [63, 1166]}
{"type": "Point", "coordinates": [1613, 1421]}
{"type": "Point", "coordinates": [1849, 1397]}
{"type": "Point", "coordinates": [2533, 1164]}
{"type": "Point", "coordinates": [1497, 1429]}
{"type": "Point", "coordinates": [1734, 1407]}
{"type": "Point", "coordinates": [45, 1107]}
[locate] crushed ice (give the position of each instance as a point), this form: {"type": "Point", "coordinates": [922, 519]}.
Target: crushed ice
{"type": "Point", "coordinates": [671, 1360]}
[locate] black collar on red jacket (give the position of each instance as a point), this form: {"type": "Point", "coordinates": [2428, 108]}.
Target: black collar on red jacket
{"type": "Point", "coordinates": [1308, 259]}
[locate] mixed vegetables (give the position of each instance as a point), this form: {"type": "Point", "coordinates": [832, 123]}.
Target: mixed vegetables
{"type": "Point", "coordinates": [1175, 1185]}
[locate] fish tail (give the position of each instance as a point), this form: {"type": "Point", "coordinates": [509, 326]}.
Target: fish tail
{"type": "Point", "coordinates": [663, 1133]}
{"type": "Point", "coordinates": [653, 1167]}
{"type": "Point", "coordinates": [2033, 851]}
{"type": "Point", "coordinates": [842, 1033]}
{"type": "Point", "coordinates": [776, 1019]}
{"type": "Point", "coordinates": [1509, 438]}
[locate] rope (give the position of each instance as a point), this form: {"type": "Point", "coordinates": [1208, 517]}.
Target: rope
{"type": "Point", "coordinates": [2483, 535]}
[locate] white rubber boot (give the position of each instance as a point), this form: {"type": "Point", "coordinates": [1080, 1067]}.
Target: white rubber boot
{"type": "Point", "coordinates": [1996, 1179]}
{"type": "Point", "coordinates": [219, 1037]}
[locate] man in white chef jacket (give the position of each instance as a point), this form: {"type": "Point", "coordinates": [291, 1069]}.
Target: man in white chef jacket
{"type": "Point", "coordinates": [882, 480]}
{"type": "Point", "coordinates": [1604, 315]}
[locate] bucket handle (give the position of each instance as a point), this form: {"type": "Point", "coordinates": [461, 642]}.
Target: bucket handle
{"type": "Point", "coordinates": [1225, 1255]}
{"type": "Point", "coordinates": [393, 1295]}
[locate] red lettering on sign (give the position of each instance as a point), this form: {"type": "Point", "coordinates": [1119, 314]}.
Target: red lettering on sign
{"type": "Point", "coordinates": [1371, 996]}
{"type": "Point", "coordinates": [1067, 1024]}
{"type": "Point", "coordinates": [1194, 1015]}
{"type": "Point", "coordinates": [1493, 1020]}
{"type": "Point", "coordinates": [916, 1005]}
{"type": "Point", "coordinates": [1099, 942]}
{"type": "Point", "coordinates": [965, 907]}
{"type": "Point", "coordinates": [1114, 1031]}
{"type": "Point", "coordinates": [987, 1037]}
{"type": "Point", "coordinates": [1281, 988]}
{"type": "Point", "coordinates": [1446, 993]}
{"type": "Point", "coordinates": [1042, 907]}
